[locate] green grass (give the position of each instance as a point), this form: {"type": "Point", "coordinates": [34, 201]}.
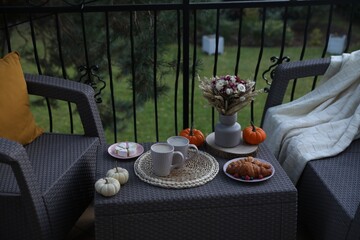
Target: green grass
{"type": "Point", "coordinates": [202, 111]}
{"type": "Point", "coordinates": [145, 122]}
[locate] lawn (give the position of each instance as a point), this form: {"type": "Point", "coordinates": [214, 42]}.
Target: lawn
{"type": "Point", "coordinates": [146, 130]}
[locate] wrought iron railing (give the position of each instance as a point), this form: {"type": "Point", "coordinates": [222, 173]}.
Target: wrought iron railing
{"type": "Point", "coordinates": [127, 41]}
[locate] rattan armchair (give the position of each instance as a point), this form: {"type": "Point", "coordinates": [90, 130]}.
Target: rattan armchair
{"type": "Point", "coordinates": [46, 185]}
{"type": "Point", "coordinates": [328, 190]}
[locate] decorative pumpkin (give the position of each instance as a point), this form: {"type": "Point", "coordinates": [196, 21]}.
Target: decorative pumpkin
{"type": "Point", "coordinates": [107, 186]}
{"type": "Point", "coordinates": [195, 136]}
{"type": "Point", "coordinates": [120, 174]}
{"type": "Point", "coordinates": [254, 135]}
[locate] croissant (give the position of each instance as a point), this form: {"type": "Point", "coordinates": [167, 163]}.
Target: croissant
{"type": "Point", "coordinates": [249, 167]}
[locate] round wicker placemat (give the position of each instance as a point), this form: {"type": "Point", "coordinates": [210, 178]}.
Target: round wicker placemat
{"type": "Point", "coordinates": [198, 170]}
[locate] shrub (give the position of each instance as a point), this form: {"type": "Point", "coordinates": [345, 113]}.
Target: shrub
{"type": "Point", "coordinates": [272, 34]}
{"type": "Point", "coordinates": [316, 37]}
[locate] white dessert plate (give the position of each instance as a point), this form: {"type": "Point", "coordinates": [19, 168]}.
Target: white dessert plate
{"type": "Point", "coordinates": [251, 180]}
{"type": "Point", "coordinates": [138, 152]}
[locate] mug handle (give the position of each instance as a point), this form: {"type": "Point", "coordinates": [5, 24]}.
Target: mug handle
{"type": "Point", "coordinates": [194, 147]}
{"type": "Point", "coordinates": [180, 163]}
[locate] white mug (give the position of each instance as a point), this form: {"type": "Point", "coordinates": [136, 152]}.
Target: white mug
{"type": "Point", "coordinates": [163, 159]}
{"type": "Point", "coordinates": [182, 144]}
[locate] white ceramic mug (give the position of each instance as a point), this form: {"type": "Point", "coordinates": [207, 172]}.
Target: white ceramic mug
{"type": "Point", "coordinates": [182, 145]}
{"type": "Point", "coordinates": [163, 158]}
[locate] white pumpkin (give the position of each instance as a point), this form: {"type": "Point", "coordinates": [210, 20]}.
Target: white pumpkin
{"type": "Point", "coordinates": [107, 186]}
{"type": "Point", "coordinates": [121, 174]}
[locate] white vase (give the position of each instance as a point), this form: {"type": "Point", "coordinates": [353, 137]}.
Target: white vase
{"type": "Point", "coordinates": [227, 131]}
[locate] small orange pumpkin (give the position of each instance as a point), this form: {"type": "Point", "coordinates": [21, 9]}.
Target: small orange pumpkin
{"type": "Point", "coordinates": [195, 136]}
{"type": "Point", "coordinates": [254, 135]}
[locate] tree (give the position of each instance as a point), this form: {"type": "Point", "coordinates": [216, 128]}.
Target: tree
{"type": "Point", "coordinates": [60, 41]}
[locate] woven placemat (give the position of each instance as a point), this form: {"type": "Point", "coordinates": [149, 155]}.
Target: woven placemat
{"type": "Point", "coordinates": [198, 170]}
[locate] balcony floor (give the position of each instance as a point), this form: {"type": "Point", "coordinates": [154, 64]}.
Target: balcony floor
{"type": "Point", "coordinates": [84, 228]}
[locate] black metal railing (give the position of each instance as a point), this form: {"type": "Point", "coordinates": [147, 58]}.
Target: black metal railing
{"type": "Point", "coordinates": [126, 41]}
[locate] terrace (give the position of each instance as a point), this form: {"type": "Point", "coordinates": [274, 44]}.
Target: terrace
{"type": "Point", "coordinates": [143, 60]}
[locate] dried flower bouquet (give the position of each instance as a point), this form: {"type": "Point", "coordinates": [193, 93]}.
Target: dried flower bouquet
{"type": "Point", "coordinates": [228, 94]}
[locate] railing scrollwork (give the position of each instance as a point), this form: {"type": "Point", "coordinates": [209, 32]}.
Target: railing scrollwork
{"type": "Point", "coordinates": [276, 61]}
{"type": "Point", "coordinates": [89, 76]}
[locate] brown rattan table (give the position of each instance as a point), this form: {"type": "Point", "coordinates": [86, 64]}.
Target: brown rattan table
{"type": "Point", "coordinates": [220, 209]}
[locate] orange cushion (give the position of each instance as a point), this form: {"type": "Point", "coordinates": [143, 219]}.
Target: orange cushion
{"type": "Point", "coordinates": [16, 121]}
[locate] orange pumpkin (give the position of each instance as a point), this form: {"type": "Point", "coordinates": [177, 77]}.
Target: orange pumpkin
{"type": "Point", "coordinates": [195, 136]}
{"type": "Point", "coordinates": [254, 135]}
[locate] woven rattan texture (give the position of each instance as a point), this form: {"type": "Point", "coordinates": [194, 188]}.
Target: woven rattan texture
{"type": "Point", "coordinates": [55, 180]}
{"type": "Point", "coordinates": [73, 189]}
{"type": "Point", "coordinates": [198, 170]}
{"type": "Point", "coordinates": [336, 179]}
{"type": "Point", "coordinates": [80, 94]}
{"type": "Point", "coordinates": [55, 173]}
{"type": "Point", "coordinates": [329, 196]}
{"type": "Point", "coordinates": [289, 71]}
{"type": "Point", "coordinates": [264, 210]}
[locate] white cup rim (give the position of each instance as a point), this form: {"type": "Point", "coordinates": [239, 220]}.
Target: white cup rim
{"type": "Point", "coordinates": [181, 137]}
{"type": "Point", "coordinates": [166, 144]}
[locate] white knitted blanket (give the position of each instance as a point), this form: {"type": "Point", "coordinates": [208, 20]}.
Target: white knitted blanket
{"type": "Point", "coordinates": [320, 124]}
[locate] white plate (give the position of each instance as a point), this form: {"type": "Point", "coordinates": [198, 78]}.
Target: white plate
{"type": "Point", "coordinates": [138, 152]}
{"type": "Point", "coordinates": [243, 180]}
